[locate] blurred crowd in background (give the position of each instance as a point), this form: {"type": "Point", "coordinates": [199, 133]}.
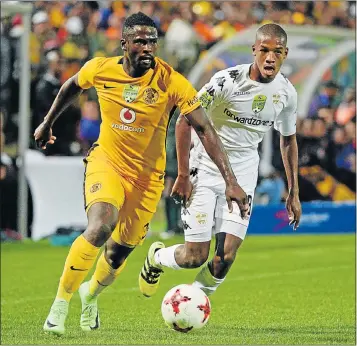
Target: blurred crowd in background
{"type": "Point", "coordinates": [66, 34]}
{"type": "Point", "coordinates": [327, 147]}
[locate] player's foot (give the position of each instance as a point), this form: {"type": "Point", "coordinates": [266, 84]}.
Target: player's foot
{"type": "Point", "coordinates": [149, 277]}
{"type": "Point", "coordinates": [90, 315]}
{"type": "Point", "coordinates": [55, 320]}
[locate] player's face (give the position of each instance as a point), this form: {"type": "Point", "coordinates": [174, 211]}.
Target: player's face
{"type": "Point", "coordinates": [140, 47]}
{"type": "Point", "coordinates": [270, 53]}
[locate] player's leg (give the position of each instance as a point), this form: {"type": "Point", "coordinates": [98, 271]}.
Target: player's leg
{"type": "Point", "coordinates": [104, 196]}
{"type": "Point", "coordinates": [102, 218]}
{"type": "Point", "coordinates": [230, 230]}
{"type": "Point", "coordinates": [134, 218]}
{"type": "Point", "coordinates": [110, 264]}
{"type": "Point", "coordinates": [180, 256]}
{"type": "Point", "coordinates": [172, 209]}
{"type": "Point", "coordinates": [213, 273]}
{"type": "Point", "coordinates": [197, 221]}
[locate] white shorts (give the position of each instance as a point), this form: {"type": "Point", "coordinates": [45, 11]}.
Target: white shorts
{"type": "Point", "coordinates": [208, 203]}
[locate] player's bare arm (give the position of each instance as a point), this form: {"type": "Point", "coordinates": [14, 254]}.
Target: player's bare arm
{"type": "Point", "coordinates": [289, 153]}
{"type": "Point", "coordinates": [183, 186]}
{"type": "Point", "coordinates": [215, 149]}
{"type": "Point", "coordinates": [68, 93]}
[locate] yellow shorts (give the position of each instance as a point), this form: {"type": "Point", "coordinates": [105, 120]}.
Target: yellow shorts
{"type": "Point", "coordinates": [136, 203]}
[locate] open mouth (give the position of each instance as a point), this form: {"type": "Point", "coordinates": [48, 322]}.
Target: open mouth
{"type": "Point", "coordinates": [269, 69]}
{"type": "Point", "coordinates": [146, 60]}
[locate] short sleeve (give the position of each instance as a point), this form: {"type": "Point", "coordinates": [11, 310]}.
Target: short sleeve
{"type": "Point", "coordinates": [285, 122]}
{"type": "Point", "coordinates": [185, 95]}
{"type": "Point", "coordinates": [88, 72]}
{"type": "Point", "coordinates": [214, 92]}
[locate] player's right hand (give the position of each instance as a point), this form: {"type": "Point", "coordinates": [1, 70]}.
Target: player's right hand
{"type": "Point", "coordinates": [43, 135]}
{"type": "Point", "coordinates": [182, 190]}
{"type": "Point", "coordinates": [234, 193]}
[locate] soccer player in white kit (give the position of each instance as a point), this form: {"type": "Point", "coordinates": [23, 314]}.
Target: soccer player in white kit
{"type": "Point", "coordinates": [243, 103]}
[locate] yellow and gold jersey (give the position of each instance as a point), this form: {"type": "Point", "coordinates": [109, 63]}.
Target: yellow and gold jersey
{"type": "Point", "coordinates": [135, 113]}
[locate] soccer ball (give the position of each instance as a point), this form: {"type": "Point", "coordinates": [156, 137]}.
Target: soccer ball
{"type": "Point", "coordinates": [185, 307]}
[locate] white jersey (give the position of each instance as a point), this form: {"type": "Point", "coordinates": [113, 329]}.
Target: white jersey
{"type": "Point", "coordinates": [242, 111]}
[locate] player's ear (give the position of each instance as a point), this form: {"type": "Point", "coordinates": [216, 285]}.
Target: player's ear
{"type": "Point", "coordinates": [253, 49]}
{"type": "Point", "coordinates": [123, 44]}
{"type": "Point", "coordinates": [286, 52]}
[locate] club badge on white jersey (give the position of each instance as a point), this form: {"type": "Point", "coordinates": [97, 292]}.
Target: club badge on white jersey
{"type": "Point", "coordinates": [242, 111]}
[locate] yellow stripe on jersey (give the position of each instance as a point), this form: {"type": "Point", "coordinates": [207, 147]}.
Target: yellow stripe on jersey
{"type": "Point", "coordinates": [135, 113]}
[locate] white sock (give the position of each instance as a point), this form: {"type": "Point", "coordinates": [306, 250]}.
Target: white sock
{"type": "Point", "coordinates": [206, 281]}
{"type": "Point", "coordinates": [166, 257]}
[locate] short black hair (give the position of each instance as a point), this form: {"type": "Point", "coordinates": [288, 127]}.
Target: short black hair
{"type": "Point", "coordinates": [331, 84]}
{"type": "Point", "coordinates": [137, 19]}
{"type": "Point", "coordinates": [272, 30]}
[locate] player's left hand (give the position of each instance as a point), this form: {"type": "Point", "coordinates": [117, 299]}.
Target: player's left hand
{"type": "Point", "coordinates": [234, 193]}
{"type": "Point", "coordinates": [43, 135]}
{"type": "Point", "coordinates": [293, 207]}
{"type": "Point", "coordinates": [182, 190]}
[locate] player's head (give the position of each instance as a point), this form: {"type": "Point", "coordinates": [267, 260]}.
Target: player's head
{"type": "Point", "coordinates": [270, 50]}
{"type": "Point", "coordinates": [139, 40]}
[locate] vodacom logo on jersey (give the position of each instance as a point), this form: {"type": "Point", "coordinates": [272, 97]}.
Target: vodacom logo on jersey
{"type": "Point", "coordinates": [127, 116]}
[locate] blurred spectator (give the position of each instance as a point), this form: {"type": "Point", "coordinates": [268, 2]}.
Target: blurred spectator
{"type": "Point", "coordinates": [65, 127]}
{"type": "Point", "coordinates": [330, 147]}
{"type": "Point", "coordinates": [346, 158]}
{"type": "Point", "coordinates": [325, 98]}
{"type": "Point", "coordinates": [5, 73]}
{"type": "Point", "coordinates": [8, 186]}
{"type": "Point", "coordinates": [325, 184]}
{"type": "Point", "coordinates": [327, 115]}
{"type": "Point", "coordinates": [45, 36]}
{"type": "Point", "coordinates": [271, 189]}
{"type": "Point", "coordinates": [342, 155]}
{"type": "Point", "coordinates": [346, 111]}
{"type": "Point", "coordinates": [89, 125]}
{"type": "Point", "coordinates": [312, 142]}
{"type": "Point", "coordinates": [181, 43]}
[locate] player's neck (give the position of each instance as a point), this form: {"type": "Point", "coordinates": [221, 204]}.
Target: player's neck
{"type": "Point", "coordinates": [131, 71]}
{"type": "Point", "coordinates": [255, 75]}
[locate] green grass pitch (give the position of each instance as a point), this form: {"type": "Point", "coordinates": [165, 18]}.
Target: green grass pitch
{"type": "Point", "coordinates": [281, 290]}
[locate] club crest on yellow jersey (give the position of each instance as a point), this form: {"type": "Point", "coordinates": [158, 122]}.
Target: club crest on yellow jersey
{"type": "Point", "coordinates": [150, 96]}
{"type": "Point", "coordinates": [95, 187]}
{"type": "Point", "coordinates": [130, 92]}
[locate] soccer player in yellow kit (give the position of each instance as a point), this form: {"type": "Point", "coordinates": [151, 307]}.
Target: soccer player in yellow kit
{"type": "Point", "coordinates": [125, 167]}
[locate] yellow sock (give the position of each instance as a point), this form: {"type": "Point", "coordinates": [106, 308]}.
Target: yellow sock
{"type": "Point", "coordinates": [80, 259]}
{"type": "Point", "coordinates": [103, 276]}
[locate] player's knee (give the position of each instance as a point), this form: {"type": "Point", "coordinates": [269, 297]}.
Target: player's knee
{"type": "Point", "coordinates": [113, 259]}
{"type": "Point", "coordinates": [195, 254]}
{"type": "Point", "coordinates": [228, 259]}
{"type": "Point", "coordinates": [99, 226]}
{"type": "Point", "coordinates": [98, 232]}
{"type": "Point", "coordinates": [102, 220]}
{"type": "Point", "coordinates": [195, 259]}
{"type": "Point", "coordinates": [116, 254]}
{"type": "Point", "coordinates": [225, 260]}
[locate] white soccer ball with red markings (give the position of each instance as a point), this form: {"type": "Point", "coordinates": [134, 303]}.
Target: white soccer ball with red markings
{"type": "Point", "coordinates": [185, 307]}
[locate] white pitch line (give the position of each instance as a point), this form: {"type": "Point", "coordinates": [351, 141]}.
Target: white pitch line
{"type": "Point", "coordinates": [239, 278]}
{"type": "Point", "coordinates": [289, 272]}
